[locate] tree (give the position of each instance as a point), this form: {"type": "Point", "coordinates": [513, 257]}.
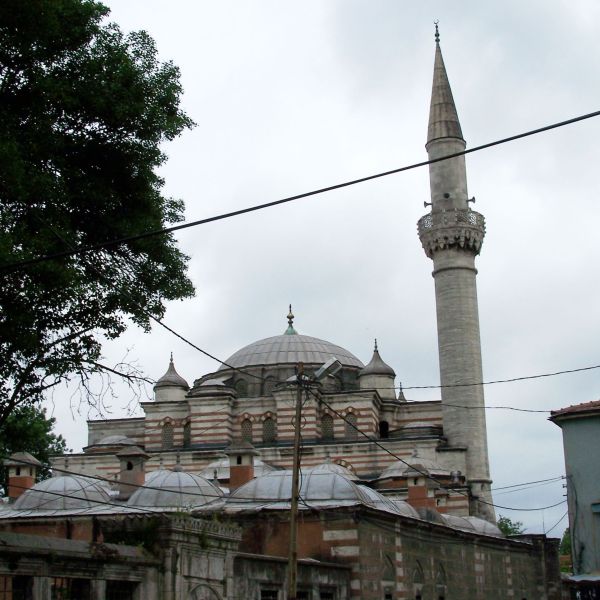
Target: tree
{"type": "Point", "coordinates": [84, 110]}
{"type": "Point", "coordinates": [28, 429]}
{"type": "Point", "coordinates": [509, 527]}
{"type": "Point", "coordinates": [565, 543]}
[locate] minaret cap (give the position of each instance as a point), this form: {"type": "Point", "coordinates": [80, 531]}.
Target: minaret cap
{"type": "Point", "coordinates": [443, 116]}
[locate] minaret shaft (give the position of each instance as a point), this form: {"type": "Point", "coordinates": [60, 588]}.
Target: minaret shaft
{"type": "Point", "coordinates": [452, 235]}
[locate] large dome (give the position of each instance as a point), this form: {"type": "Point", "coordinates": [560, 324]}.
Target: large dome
{"type": "Point", "coordinates": [290, 348]}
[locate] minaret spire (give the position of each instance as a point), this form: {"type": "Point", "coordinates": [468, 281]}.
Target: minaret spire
{"type": "Point", "coordinates": [443, 116]}
{"type": "Point", "coordinates": [452, 235]}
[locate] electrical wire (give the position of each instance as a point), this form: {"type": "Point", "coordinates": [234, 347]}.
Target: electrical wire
{"type": "Point", "coordinates": [235, 213]}
{"type": "Point", "coordinates": [423, 473]}
{"type": "Point", "coordinates": [557, 523]}
{"type": "Point", "coordinates": [515, 485]}
{"type": "Point", "coordinates": [264, 379]}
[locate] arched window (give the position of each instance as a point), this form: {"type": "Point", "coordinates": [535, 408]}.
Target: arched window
{"type": "Point", "coordinates": [167, 436]}
{"type": "Point", "coordinates": [187, 434]}
{"type": "Point", "coordinates": [269, 431]}
{"type": "Point", "coordinates": [247, 430]}
{"type": "Point", "coordinates": [327, 427]}
{"type": "Point", "coordinates": [384, 430]}
{"type": "Point", "coordinates": [351, 432]}
{"type": "Point", "coordinates": [241, 387]}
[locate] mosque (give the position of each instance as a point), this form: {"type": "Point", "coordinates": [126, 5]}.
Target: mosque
{"type": "Point", "coordinates": [357, 418]}
{"type": "Point", "coordinates": [192, 500]}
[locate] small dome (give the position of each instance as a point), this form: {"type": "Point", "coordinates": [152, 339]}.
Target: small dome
{"type": "Point", "coordinates": [413, 467]}
{"type": "Point", "coordinates": [381, 502]}
{"type": "Point", "coordinates": [377, 366]}
{"type": "Point", "coordinates": [175, 489]}
{"type": "Point", "coordinates": [63, 493]}
{"type": "Point", "coordinates": [404, 508]}
{"type": "Point", "coordinates": [457, 522]}
{"type": "Point", "coordinates": [221, 466]}
{"type": "Point", "coordinates": [485, 527]}
{"type": "Point", "coordinates": [315, 489]}
{"type": "Point", "coordinates": [331, 467]}
{"type": "Point", "coordinates": [115, 440]}
{"type": "Point", "coordinates": [172, 378]}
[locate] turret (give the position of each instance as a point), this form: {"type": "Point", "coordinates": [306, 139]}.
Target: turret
{"type": "Point", "coordinates": [452, 235]}
{"type": "Point", "coordinates": [378, 375]}
{"type": "Point", "coordinates": [171, 387]}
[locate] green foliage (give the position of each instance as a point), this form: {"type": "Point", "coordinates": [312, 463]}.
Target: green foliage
{"type": "Point", "coordinates": [84, 110]}
{"type": "Point", "coordinates": [27, 429]}
{"type": "Point", "coordinates": [565, 543]}
{"type": "Point", "coordinates": [509, 527]}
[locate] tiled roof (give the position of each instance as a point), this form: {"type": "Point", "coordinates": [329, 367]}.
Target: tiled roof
{"type": "Point", "coordinates": [593, 406]}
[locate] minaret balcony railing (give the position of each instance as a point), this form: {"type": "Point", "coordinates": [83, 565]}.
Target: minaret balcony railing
{"type": "Point", "coordinates": [458, 228]}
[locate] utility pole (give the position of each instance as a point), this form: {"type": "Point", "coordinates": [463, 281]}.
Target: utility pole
{"type": "Point", "coordinates": [293, 554]}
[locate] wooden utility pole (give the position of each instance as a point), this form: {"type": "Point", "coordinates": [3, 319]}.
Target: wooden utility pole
{"type": "Point", "coordinates": [293, 554]}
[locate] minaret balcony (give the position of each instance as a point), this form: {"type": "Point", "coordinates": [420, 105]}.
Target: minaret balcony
{"type": "Point", "coordinates": [458, 228]}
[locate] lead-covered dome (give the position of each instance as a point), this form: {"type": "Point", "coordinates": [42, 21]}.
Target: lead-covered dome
{"type": "Point", "coordinates": [316, 489]}
{"type": "Point", "coordinates": [64, 493]}
{"type": "Point", "coordinates": [290, 348]}
{"type": "Point", "coordinates": [174, 489]}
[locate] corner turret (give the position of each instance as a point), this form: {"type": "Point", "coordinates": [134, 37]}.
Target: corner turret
{"type": "Point", "coordinates": [379, 376]}
{"type": "Point", "coordinates": [171, 387]}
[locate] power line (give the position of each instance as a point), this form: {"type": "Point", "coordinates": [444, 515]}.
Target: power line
{"type": "Point", "coordinates": [557, 523]}
{"type": "Point", "coordinates": [515, 485]}
{"type": "Point", "coordinates": [423, 473]}
{"type": "Point", "coordinates": [235, 213]}
{"type": "Point", "coordinates": [511, 380]}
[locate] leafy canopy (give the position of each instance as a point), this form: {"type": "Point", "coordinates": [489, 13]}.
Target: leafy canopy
{"type": "Point", "coordinates": [509, 527]}
{"type": "Point", "coordinates": [28, 430]}
{"type": "Point", "coordinates": [84, 110]}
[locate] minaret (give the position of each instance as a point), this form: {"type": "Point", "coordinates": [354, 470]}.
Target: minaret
{"type": "Point", "coordinates": [452, 235]}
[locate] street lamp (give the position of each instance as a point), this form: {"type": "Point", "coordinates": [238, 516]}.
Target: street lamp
{"type": "Point", "coordinates": [302, 381]}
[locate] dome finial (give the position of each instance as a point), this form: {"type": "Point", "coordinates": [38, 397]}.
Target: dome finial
{"type": "Point", "coordinates": [171, 357]}
{"type": "Point", "coordinates": [375, 349]}
{"type": "Point", "coordinates": [290, 330]}
{"type": "Point", "coordinates": [437, 32]}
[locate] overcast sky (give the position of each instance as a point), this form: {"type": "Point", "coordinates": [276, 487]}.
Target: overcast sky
{"type": "Point", "coordinates": [290, 97]}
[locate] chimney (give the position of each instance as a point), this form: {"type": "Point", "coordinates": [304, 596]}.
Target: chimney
{"type": "Point", "coordinates": [22, 471]}
{"type": "Point", "coordinates": [132, 471]}
{"type": "Point", "coordinates": [241, 463]}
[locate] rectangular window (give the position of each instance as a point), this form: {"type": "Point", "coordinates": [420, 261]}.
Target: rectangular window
{"type": "Point", "coordinates": [327, 594]}
{"type": "Point", "coordinates": [269, 594]}
{"type": "Point", "coordinates": [120, 590]}
{"type": "Point", "coordinates": [303, 595]}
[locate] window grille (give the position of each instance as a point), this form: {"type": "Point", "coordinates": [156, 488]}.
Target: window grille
{"type": "Point", "coordinates": [65, 588]}
{"type": "Point", "coordinates": [167, 436]}
{"type": "Point", "coordinates": [269, 430]}
{"type": "Point", "coordinates": [327, 427]}
{"type": "Point", "coordinates": [16, 588]}
{"type": "Point", "coordinates": [247, 430]}
{"type": "Point", "coordinates": [351, 421]}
